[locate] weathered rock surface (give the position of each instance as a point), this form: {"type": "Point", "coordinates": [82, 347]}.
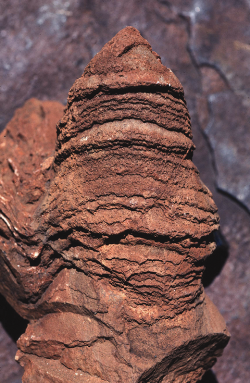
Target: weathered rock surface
{"type": "Point", "coordinates": [45, 47]}
{"type": "Point", "coordinates": [27, 150]}
{"type": "Point", "coordinates": [103, 251]}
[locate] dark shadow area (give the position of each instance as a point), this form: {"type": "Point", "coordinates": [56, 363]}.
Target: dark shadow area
{"type": "Point", "coordinates": [216, 261]}
{"type": "Point", "coordinates": [13, 324]}
{"type": "Point", "coordinates": [209, 377]}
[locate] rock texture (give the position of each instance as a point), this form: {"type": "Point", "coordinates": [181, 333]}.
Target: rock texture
{"type": "Point", "coordinates": [27, 153]}
{"type": "Point", "coordinates": [223, 61]}
{"type": "Point", "coordinates": [104, 247]}
{"type": "Point", "coordinates": [45, 46]}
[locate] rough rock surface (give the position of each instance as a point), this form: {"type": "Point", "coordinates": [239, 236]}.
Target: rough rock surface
{"type": "Point", "coordinates": [27, 153]}
{"type": "Point", "coordinates": [104, 250]}
{"type": "Point", "coordinates": [45, 46]}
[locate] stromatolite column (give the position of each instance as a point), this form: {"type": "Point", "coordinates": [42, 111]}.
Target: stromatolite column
{"type": "Point", "coordinates": [110, 274]}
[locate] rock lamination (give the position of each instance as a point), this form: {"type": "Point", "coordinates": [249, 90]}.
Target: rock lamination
{"type": "Point", "coordinates": [104, 240]}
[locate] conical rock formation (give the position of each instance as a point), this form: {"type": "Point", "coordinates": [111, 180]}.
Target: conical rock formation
{"type": "Point", "coordinates": [120, 235]}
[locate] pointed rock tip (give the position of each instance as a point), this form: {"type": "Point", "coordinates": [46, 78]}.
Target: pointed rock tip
{"type": "Point", "coordinates": [125, 40]}
{"type": "Point", "coordinates": [108, 58]}
{"type": "Point", "coordinates": [127, 60]}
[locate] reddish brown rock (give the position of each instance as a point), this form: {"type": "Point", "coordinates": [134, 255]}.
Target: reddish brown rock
{"type": "Point", "coordinates": [27, 150]}
{"type": "Point", "coordinates": [107, 262]}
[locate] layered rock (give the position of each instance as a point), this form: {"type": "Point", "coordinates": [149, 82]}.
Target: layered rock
{"type": "Point", "coordinates": [27, 152]}
{"type": "Point", "coordinates": [112, 267]}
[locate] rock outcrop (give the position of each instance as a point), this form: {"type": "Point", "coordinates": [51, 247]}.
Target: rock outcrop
{"type": "Point", "coordinates": [104, 240]}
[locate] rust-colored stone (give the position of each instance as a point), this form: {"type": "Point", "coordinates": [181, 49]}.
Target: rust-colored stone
{"type": "Point", "coordinates": [27, 152]}
{"type": "Point", "coordinates": [105, 248]}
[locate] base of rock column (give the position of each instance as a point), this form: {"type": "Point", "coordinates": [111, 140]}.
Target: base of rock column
{"type": "Point", "coordinates": [69, 347]}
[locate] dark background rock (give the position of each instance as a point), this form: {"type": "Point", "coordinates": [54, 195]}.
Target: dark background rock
{"type": "Point", "coordinates": [45, 46]}
{"type": "Point", "coordinates": [11, 327]}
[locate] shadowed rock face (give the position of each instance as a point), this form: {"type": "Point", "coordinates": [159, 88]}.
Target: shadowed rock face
{"type": "Point", "coordinates": [108, 256]}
